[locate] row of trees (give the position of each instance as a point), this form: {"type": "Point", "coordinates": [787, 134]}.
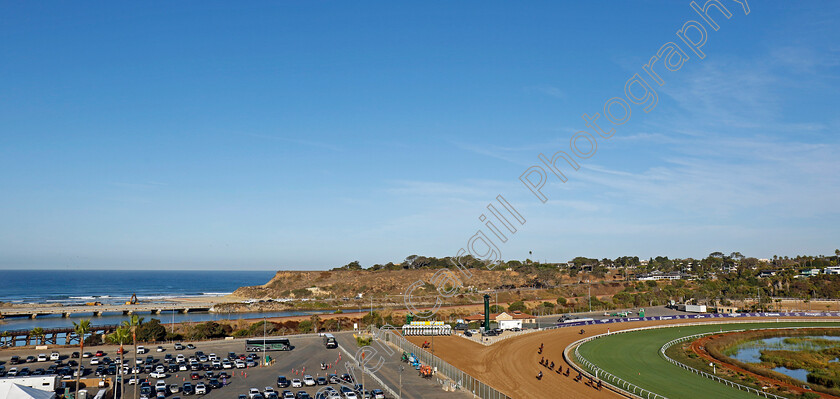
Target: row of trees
{"type": "Point", "coordinates": [715, 260]}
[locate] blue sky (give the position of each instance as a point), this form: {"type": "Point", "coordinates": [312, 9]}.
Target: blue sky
{"type": "Point", "coordinates": [267, 135]}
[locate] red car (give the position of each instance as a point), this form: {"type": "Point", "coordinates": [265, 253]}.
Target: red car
{"type": "Point", "coordinates": [194, 376]}
{"type": "Point", "coordinates": [99, 354]}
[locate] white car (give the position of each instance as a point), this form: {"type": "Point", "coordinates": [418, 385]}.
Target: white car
{"type": "Point", "coordinates": [55, 356]}
{"type": "Point", "coordinates": [267, 391]}
{"type": "Point", "coordinates": [159, 349]}
{"type": "Point", "coordinates": [160, 384]}
{"type": "Point", "coordinates": [157, 374]}
{"type": "Point", "coordinates": [240, 364]}
{"type": "Point", "coordinates": [350, 395]}
{"type": "Point", "coordinates": [42, 357]}
{"type": "Point", "coordinates": [254, 393]}
{"type": "Point", "coordinates": [308, 380]}
{"type": "Point", "coordinates": [213, 356]}
{"type": "Point", "coordinates": [296, 383]}
{"type": "Point", "coordinates": [180, 358]}
{"type": "Point", "coordinates": [216, 363]}
{"type": "Point", "coordinates": [200, 389]}
{"type": "Point", "coordinates": [174, 388]}
{"type": "Point", "coordinates": [227, 365]}
{"type": "Point", "coordinates": [141, 350]}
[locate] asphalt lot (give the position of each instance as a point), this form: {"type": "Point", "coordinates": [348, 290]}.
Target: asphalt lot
{"type": "Point", "coordinates": [413, 386]}
{"type": "Point", "coordinates": [305, 358]}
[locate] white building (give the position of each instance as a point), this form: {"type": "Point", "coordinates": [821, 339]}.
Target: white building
{"type": "Point", "coordinates": [35, 387]}
{"type": "Point", "coordinates": [832, 270]}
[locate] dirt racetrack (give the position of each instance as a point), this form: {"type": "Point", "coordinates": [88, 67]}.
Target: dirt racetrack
{"type": "Point", "coordinates": [511, 365]}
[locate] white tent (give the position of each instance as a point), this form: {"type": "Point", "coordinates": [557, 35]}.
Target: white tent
{"type": "Point", "coordinates": [16, 391]}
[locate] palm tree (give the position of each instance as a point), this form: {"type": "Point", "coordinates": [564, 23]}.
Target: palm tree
{"type": "Point", "coordinates": [81, 328]}
{"type": "Point", "coordinates": [121, 336]}
{"type": "Point", "coordinates": [38, 332]}
{"type": "Point", "coordinates": [133, 323]}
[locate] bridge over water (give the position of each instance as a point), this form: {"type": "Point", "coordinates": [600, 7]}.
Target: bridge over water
{"type": "Point", "coordinates": [99, 310]}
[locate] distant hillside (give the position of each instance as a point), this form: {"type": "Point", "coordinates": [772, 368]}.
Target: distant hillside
{"type": "Point", "coordinates": [348, 283]}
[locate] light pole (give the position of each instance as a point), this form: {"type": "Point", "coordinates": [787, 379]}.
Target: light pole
{"type": "Point", "coordinates": [590, 295]}
{"type": "Point", "coordinates": [401, 371]}
{"type": "Point", "coordinates": [265, 349]}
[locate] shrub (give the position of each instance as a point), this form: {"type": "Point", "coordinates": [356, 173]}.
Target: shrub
{"type": "Point", "coordinates": [152, 331]}
{"type": "Point", "coordinates": [517, 306]}
{"type": "Point", "coordinates": [305, 327]}
{"type": "Point", "coordinates": [363, 341]}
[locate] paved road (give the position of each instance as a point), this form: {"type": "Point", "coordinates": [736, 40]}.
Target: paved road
{"type": "Point", "coordinates": [413, 386]}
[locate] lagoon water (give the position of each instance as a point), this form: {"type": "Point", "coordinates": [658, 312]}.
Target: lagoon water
{"type": "Point", "coordinates": [751, 353]}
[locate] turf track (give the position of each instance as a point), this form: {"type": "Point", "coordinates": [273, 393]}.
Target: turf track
{"type": "Point", "coordinates": [634, 356]}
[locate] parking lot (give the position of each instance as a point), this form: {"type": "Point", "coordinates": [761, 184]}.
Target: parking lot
{"type": "Point", "coordinates": [305, 358]}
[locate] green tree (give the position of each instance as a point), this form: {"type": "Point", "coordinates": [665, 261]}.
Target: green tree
{"type": "Point", "coordinates": [121, 336]}
{"type": "Point", "coordinates": [152, 331]}
{"type": "Point", "coordinates": [38, 333]}
{"type": "Point", "coordinates": [517, 306]}
{"type": "Point", "coordinates": [305, 327]}
{"type": "Point", "coordinates": [81, 328]}
{"type": "Point", "coordinates": [132, 323]}
{"type": "Point", "coordinates": [316, 322]}
{"type": "Point", "coordinates": [211, 329]}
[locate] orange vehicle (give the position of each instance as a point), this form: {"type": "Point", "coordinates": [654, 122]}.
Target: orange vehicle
{"type": "Point", "coordinates": [426, 371]}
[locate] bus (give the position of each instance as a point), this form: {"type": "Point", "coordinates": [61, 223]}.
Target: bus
{"type": "Point", "coordinates": [329, 341]}
{"type": "Point", "coordinates": [271, 344]}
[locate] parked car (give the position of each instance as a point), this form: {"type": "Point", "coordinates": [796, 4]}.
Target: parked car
{"type": "Point", "coordinates": [187, 388]}
{"type": "Point", "coordinates": [158, 374]}
{"type": "Point", "coordinates": [200, 389]}
{"type": "Point", "coordinates": [55, 356]}
{"type": "Point", "coordinates": [296, 383]}
{"type": "Point", "coordinates": [283, 382]}
{"type": "Point", "coordinates": [140, 350]}
{"type": "Point", "coordinates": [308, 380]}
{"type": "Point", "coordinates": [174, 388]}
{"type": "Point", "coordinates": [160, 349]}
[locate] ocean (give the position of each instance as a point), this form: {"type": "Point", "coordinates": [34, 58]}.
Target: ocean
{"type": "Point", "coordinates": [106, 286]}
{"type": "Point", "coordinates": [112, 286]}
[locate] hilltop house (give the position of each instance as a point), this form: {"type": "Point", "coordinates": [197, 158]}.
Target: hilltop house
{"type": "Point", "coordinates": [658, 275]}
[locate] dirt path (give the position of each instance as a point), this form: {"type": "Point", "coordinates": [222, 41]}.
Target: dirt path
{"type": "Point", "coordinates": [511, 365]}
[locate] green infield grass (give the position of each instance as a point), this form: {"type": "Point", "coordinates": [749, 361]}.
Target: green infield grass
{"type": "Point", "coordinates": [634, 357]}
